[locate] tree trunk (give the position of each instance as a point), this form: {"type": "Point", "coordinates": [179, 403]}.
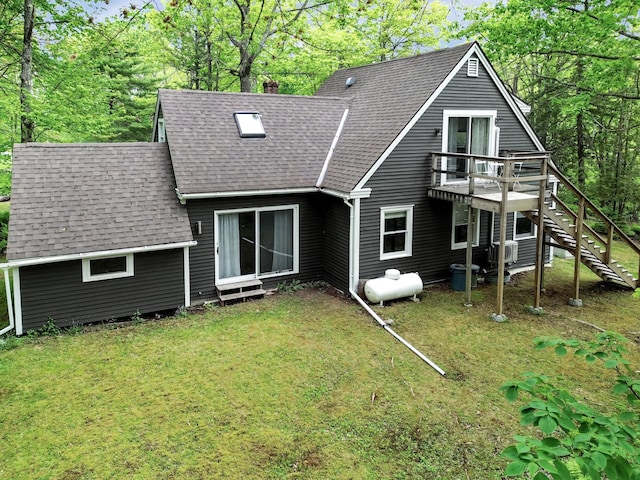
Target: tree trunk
{"type": "Point", "coordinates": [27, 125]}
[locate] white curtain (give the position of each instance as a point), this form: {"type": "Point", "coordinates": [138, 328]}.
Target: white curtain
{"type": "Point", "coordinates": [479, 136]}
{"type": "Point", "coordinates": [229, 245]}
{"type": "Point", "coordinates": [282, 241]}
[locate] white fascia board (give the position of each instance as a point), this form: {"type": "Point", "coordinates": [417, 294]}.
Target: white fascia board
{"type": "Point", "coordinates": [507, 96]}
{"type": "Point", "coordinates": [414, 120]}
{"type": "Point", "coordinates": [155, 117]}
{"type": "Point", "coordinates": [334, 143]}
{"type": "Point", "coordinates": [104, 253]}
{"type": "Point", "coordinates": [183, 197]}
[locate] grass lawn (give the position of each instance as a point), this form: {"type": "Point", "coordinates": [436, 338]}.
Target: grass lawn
{"type": "Point", "coordinates": [300, 385]}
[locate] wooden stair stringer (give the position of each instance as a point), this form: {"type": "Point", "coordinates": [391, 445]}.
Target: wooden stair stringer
{"type": "Point", "coordinates": [561, 229]}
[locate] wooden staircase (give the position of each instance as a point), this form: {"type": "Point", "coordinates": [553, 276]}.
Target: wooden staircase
{"type": "Point", "coordinates": [240, 291]}
{"type": "Point", "coordinates": [565, 226]}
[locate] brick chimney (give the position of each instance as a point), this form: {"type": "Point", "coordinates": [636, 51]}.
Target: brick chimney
{"type": "Point", "coordinates": [270, 86]}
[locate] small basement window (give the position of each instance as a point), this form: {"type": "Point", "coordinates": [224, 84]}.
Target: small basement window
{"type": "Point", "coordinates": [250, 124]}
{"type": "Point", "coordinates": [105, 268]}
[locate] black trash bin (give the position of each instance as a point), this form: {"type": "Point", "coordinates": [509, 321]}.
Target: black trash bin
{"type": "Point", "coordinates": [459, 277]}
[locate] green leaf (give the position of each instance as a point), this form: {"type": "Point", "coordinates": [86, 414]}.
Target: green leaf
{"type": "Point", "coordinates": [561, 351]}
{"type": "Point", "coordinates": [511, 393]}
{"type": "Point", "coordinates": [562, 472]}
{"type": "Point", "coordinates": [599, 459]}
{"type": "Point", "coordinates": [620, 388]}
{"type": "Point", "coordinates": [550, 442]}
{"type": "Point", "coordinates": [515, 469]}
{"type": "Point", "coordinates": [547, 425]}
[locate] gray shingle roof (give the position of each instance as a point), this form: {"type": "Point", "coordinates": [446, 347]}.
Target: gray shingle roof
{"type": "Point", "coordinates": [209, 156]}
{"type": "Point", "coordinates": [384, 98]}
{"type": "Point", "coordinates": [80, 198]}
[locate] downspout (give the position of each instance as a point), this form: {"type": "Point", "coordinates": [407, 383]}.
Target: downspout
{"type": "Point", "coordinates": [354, 267]}
{"type": "Point", "coordinates": [7, 287]}
{"type": "Point", "coordinates": [384, 325]}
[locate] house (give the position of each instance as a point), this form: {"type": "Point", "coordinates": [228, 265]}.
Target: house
{"type": "Point", "coordinates": [240, 192]}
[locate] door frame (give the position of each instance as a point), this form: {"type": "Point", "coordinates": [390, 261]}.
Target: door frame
{"type": "Point", "coordinates": [256, 210]}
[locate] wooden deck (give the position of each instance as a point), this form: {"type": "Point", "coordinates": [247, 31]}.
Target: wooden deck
{"type": "Point", "coordinates": [488, 197]}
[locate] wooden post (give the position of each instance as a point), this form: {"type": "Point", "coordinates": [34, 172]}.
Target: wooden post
{"type": "Point", "coordinates": [469, 253]}
{"type": "Point", "coordinates": [503, 237]}
{"type": "Point", "coordinates": [540, 237]}
{"type": "Point", "coordinates": [575, 301]}
{"type": "Point", "coordinates": [607, 254]}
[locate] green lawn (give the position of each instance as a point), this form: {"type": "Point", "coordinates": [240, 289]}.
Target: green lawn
{"type": "Point", "coordinates": [300, 385]}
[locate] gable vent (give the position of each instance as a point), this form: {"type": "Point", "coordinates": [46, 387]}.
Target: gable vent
{"type": "Point", "coordinates": [472, 67]}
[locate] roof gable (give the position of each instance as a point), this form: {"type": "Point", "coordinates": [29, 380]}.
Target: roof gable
{"type": "Point", "coordinates": [384, 98]}
{"type": "Point", "coordinates": [210, 156]}
{"type": "Point", "coordinates": [81, 198]}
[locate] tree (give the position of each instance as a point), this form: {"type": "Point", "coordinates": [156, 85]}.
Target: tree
{"type": "Point", "coordinates": [577, 64]}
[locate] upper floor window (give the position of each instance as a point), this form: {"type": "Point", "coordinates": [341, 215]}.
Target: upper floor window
{"type": "Point", "coordinates": [469, 132]}
{"type": "Point", "coordinates": [396, 225]}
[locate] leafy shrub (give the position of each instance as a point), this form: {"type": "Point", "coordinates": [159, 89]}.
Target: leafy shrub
{"type": "Point", "coordinates": [289, 287]}
{"type": "Point", "coordinates": [577, 440]}
{"type": "Point", "coordinates": [4, 229]}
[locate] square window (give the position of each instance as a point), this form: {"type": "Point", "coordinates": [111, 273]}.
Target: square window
{"type": "Point", "coordinates": [396, 225]}
{"type": "Point", "coordinates": [524, 228]}
{"type": "Point", "coordinates": [105, 268]}
{"type": "Point", "coordinates": [250, 124]}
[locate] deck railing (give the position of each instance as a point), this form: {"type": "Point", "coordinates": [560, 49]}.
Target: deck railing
{"type": "Point", "coordinates": [515, 170]}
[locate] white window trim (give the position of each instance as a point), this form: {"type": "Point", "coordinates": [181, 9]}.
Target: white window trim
{"type": "Point", "coordinates": [523, 237]}
{"type": "Point", "coordinates": [257, 274]}
{"type": "Point", "coordinates": [476, 234]}
{"type": "Point", "coordinates": [493, 140]}
{"type": "Point", "coordinates": [408, 244]}
{"type": "Point", "coordinates": [473, 67]}
{"type": "Point", "coordinates": [88, 277]}
{"type": "Point", "coordinates": [162, 133]}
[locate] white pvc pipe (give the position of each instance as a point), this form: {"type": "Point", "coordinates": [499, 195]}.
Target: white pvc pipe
{"type": "Point", "coordinates": [384, 325]}
{"type": "Point", "coordinates": [7, 287]}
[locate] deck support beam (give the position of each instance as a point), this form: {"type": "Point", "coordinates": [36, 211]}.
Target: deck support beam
{"type": "Point", "coordinates": [575, 301]}
{"type": "Point", "coordinates": [540, 241]}
{"type": "Point", "coordinates": [499, 316]}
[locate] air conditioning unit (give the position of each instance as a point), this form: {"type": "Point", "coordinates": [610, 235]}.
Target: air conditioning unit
{"type": "Point", "coordinates": [510, 250]}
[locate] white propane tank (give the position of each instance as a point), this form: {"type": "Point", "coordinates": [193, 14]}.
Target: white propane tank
{"type": "Point", "coordinates": [392, 286]}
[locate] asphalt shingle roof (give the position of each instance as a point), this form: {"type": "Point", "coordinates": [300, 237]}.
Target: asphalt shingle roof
{"type": "Point", "coordinates": [383, 99]}
{"type": "Point", "coordinates": [209, 156]}
{"type": "Point", "coordinates": [80, 198]}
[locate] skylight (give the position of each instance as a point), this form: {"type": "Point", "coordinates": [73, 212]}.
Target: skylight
{"type": "Point", "coordinates": [250, 124]}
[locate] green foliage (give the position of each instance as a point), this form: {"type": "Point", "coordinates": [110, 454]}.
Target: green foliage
{"type": "Point", "coordinates": [4, 229]}
{"type": "Point", "coordinates": [49, 329]}
{"type": "Point", "coordinates": [290, 287]}
{"type": "Point", "coordinates": [597, 444]}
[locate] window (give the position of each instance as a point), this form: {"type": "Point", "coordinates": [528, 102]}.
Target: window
{"type": "Point", "coordinates": [524, 228]}
{"type": "Point", "coordinates": [472, 67]}
{"type": "Point", "coordinates": [468, 132]}
{"type": "Point", "coordinates": [254, 243]}
{"type": "Point", "coordinates": [250, 124]}
{"type": "Point", "coordinates": [105, 268]}
{"type": "Point", "coordinates": [460, 225]}
{"type": "Point", "coordinates": [396, 224]}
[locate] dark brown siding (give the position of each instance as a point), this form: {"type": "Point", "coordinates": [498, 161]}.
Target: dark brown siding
{"type": "Point", "coordinates": [56, 290]}
{"type": "Point", "coordinates": [311, 210]}
{"type": "Point", "coordinates": [405, 175]}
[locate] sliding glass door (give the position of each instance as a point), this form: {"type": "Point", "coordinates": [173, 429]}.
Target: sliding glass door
{"type": "Point", "coordinates": [256, 243]}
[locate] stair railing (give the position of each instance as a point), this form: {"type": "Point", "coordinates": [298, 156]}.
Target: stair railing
{"type": "Point", "coordinates": [612, 228]}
